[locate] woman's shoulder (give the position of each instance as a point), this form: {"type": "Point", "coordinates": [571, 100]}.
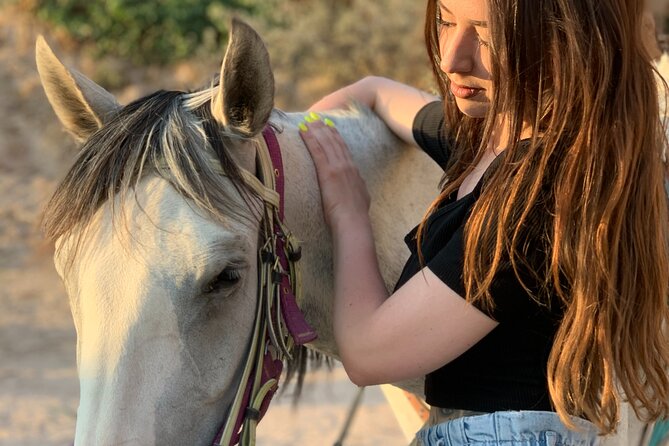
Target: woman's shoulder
{"type": "Point", "coordinates": [430, 132]}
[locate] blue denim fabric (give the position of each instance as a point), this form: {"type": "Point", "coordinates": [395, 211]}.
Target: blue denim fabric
{"type": "Point", "coordinates": [513, 428]}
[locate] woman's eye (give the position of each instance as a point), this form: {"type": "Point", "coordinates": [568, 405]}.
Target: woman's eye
{"type": "Point", "coordinates": [441, 23]}
{"type": "Point", "coordinates": [226, 279]}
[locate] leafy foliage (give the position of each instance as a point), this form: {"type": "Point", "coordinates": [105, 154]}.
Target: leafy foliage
{"type": "Point", "coordinates": [316, 46]}
{"type": "Point", "coordinates": [159, 31]}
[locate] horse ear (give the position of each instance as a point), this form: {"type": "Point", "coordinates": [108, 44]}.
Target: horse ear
{"type": "Point", "coordinates": [81, 105]}
{"type": "Point", "coordinates": [245, 96]}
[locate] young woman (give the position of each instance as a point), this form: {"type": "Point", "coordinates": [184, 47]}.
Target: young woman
{"type": "Point", "coordinates": [536, 291]}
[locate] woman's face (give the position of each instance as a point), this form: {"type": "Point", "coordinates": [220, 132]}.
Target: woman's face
{"type": "Point", "coordinates": [462, 26]}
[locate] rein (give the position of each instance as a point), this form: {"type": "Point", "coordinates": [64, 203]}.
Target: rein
{"type": "Point", "coordinates": [279, 323]}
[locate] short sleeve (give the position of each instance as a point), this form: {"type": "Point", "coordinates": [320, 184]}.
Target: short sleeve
{"type": "Point", "coordinates": [512, 300]}
{"type": "Point", "coordinates": [448, 263]}
{"type": "Point", "coordinates": [430, 133]}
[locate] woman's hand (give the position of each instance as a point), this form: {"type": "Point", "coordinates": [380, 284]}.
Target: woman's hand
{"type": "Point", "coordinates": [343, 191]}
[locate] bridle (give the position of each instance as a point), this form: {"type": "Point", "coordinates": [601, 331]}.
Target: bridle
{"type": "Point", "coordinates": [279, 324]}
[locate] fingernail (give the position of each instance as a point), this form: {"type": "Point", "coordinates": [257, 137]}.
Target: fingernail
{"type": "Point", "coordinates": [309, 119]}
{"type": "Point", "coordinates": [314, 116]}
{"type": "Point", "coordinates": [302, 126]}
{"type": "Point", "coordinates": [328, 122]}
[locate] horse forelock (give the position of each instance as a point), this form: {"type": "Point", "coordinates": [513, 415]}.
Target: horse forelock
{"type": "Point", "coordinates": [168, 133]}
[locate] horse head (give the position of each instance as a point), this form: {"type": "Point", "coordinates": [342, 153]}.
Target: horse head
{"type": "Point", "coordinates": [159, 251]}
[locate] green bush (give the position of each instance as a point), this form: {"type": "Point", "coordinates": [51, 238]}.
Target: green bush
{"type": "Point", "coordinates": [157, 31]}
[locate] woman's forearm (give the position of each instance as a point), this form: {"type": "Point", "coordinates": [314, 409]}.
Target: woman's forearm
{"type": "Point", "coordinates": [363, 91]}
{"type": "Point", "coordinates": [359, 288]}
{"type": "Point", "coordinates": [396, 103]}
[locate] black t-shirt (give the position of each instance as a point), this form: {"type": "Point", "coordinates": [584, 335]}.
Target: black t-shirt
{"type": "Point", "coordinates": [506, 370]}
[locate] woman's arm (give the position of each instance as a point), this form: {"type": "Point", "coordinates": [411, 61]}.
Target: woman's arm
{"type": "Point", "coordinates": [396, 103]}
{"type": "Point", "coordinates": [416, 330]}
{"type": "Point", "coordinates": [422, 326]}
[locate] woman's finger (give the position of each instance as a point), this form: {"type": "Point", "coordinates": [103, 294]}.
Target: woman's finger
{"type": "Point", "coordinates": [317, 136]}
{"type": "Point", "coordinates": [337, 141]}
{"type": "Point", "coordinates": [315, 148]}
{"type": "Point", "coordinates": [330, 140]}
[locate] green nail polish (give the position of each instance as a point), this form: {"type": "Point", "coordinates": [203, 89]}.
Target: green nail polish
{"type": "Point", "coordinates": [314, 116]}
{"type": "Point", "coordinates": [302, 126]}
{"type": "Point", "coordinates": [328, 122]}
{"type": "Point", "coordinates": [309, 119]}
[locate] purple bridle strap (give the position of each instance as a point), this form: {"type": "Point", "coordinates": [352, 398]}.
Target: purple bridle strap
{"type": "Point", "coordinates": [297, 326]}
{"type": "Point", "coordinates": [292, 316]}
{"type": "Point", "coordinates": [274, 150]}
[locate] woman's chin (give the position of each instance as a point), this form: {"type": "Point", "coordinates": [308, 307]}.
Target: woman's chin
{"type": "Point", "coordinates": [473, 109]}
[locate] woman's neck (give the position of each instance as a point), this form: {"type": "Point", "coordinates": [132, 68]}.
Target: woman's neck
{"type": "Point", "coordinates": [496, 145]}
{"type": "Point", "coordinates": [499, 140]}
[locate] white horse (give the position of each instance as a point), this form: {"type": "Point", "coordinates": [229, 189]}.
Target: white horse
{"type": "Point", "coordinates": [158, 252]}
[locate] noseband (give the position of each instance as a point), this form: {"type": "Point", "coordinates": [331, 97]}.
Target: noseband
{"type": "Point", "coordinates": [279, 323]}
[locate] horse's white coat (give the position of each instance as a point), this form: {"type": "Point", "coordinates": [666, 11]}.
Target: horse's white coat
{"type": "Point", "coordinates": [156, 357]}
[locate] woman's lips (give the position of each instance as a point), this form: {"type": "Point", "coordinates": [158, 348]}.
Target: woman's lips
{"type": "Point", "coordinates": [462, 92]}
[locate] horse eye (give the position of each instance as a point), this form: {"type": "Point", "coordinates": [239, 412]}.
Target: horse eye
{"type": "Point", "coordinates": [226, 279]}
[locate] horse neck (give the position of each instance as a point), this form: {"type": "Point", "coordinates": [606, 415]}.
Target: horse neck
{"type": "Point", "coordinates": [401, 180]}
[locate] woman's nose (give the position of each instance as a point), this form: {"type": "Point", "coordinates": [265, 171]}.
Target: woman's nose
{"type": "Point", "coordinates": [457, 52]}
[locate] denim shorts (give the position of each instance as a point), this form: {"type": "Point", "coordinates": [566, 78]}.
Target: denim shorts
{"type": "Point", "coordinates": [513, 428]}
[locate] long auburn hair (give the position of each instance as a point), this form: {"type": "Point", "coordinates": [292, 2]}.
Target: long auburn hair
{"type": "Point", "coordinates": [577, 72]}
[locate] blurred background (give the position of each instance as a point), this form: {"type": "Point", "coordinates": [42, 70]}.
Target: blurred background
{"type": "Point", "coordinates": [660, 11]}
{"type": "Point", "coordinates": [133, 48]}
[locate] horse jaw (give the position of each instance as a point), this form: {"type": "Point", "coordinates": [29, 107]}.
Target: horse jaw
{"type": "Point", "coordinates": [158, 361]}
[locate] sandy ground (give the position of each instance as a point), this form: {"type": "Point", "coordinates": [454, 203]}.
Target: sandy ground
{"type": "Point", "coordinates": [38, 382]}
